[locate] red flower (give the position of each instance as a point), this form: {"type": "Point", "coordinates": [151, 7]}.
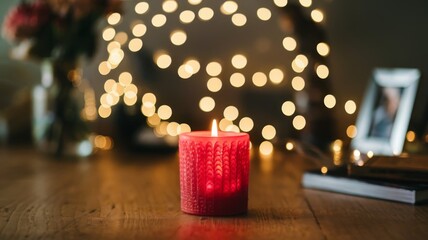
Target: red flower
{"type": "Point", "coordinates": [25, 20]}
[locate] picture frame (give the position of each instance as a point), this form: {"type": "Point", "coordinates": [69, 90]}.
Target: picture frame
{"type": "Point", "coordinates": [386, 110]}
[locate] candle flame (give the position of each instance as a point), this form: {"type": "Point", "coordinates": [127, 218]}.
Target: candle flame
{"type": "Point", "coordinates": [214, 131]}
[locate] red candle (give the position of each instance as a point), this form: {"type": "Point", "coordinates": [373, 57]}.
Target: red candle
{"type": "Point", "coordinates": [214, 170]}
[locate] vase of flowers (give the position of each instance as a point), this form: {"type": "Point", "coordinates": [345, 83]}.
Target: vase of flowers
{"type": "Point", "coordinates": [58, 34]}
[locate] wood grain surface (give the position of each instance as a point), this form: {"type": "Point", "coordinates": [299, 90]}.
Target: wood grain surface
{"type": "Point", "coordinates": [136, 196]}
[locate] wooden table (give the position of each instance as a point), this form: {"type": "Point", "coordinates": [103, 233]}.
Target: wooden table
{"type": "Point", "coordinates": [136, 196]}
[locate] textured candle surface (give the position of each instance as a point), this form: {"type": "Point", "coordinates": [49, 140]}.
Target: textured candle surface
{"type": "Point", "coordinates": [214, 173]}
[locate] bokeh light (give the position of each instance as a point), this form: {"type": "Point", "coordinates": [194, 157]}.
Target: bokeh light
{"type": "Point", "coordinates": [108, 34]}
{"type": "Point", "coordinates": [205, 13]}
{"type": "Point", "coordinates": [329, 101]}
{"type": "Point", "coordinates": [135, 45]}
{"type": "Point", "coordinates": [229, 7]}
{"type": "Point", "coordinates": [239, 19]}
{"type": "Point", "coordinates": [207, 104]}
{"type": "Point", "coordinates": [237, 80]}
{"type": "Point", "coordinates": [351, 131]}
{"type": "Point", "coordinates": [299, 122]}
{"type": "Point", "coordinates": [288, 108]}
{"type": "Point", "coordinates": [141, 7]}
{"type": "Point", "coordinates": [194, 2]}
{"type": "Point", "coordinates": [139, 30]}
{"type": "Point", "coordinates": [306, 3]}
{"type": "Point", "coordinates": [239, 61]}
{"type": "Point", "coordinates": [178, 37]}
{"type": "Point", "coordinates": [276, 76]}
{"type": "Point", "coordinates": [231, 113]}
{"type": "Point", "coordinates": [264, 14]}
{"type": "Point", "coordinates": [213, 69]}
{"type": "Point", "coordinates": [214, 84]}
{"type": "Point", "coordinates": [246, 124]}
{"type": "Point", "coordinates": [162, 59]}
{"type": "Point", "coordinates": [187, 16]}
{"type": "Point", "coordinates": [280, 3]}
{"type": "Point", "coordinates": [114, 18]}
{"type": "Point", "coordinates": [266, 148]}
{"type": "Point", "coordinates": [259, 79]}
{"type": "Point", "coordinates": [164, 112]}
{"type": "Point", "coordinates": [289, 43]}
{"type": "Point", "coordinates": [158, 20]}
{"type": "Point", "coordinates": [410, 136]}
{"type": "Point", "coordinates": [317, 15]}
{"type": "Point", "coordinates": [350, 107]}
{"type": "Point", "coordinates": [169, 6]}
{"type": "Point", "coordinates": [323, 49]}
{"type": "Point", "coordinates": [268, 132]}
{"type": "Point", "coordinates": [322, 71]}
{"type": "Point", "coordinates": [298, 83]}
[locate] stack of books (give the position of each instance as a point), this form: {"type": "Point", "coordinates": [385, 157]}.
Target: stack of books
{"type": "Point", "coordinates": [389, 178]}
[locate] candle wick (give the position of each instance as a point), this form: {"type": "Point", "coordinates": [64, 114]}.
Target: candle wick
{"type": "Point", "coordinates": [214, 131]}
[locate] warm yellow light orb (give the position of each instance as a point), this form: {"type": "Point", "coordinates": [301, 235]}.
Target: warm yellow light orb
{"type": "Point", "coordinates": [125, 78]}
{"type": "Point", "coordinates": [350, 107]}
{"type": "Point", "coordinates": [207, 104]}
{"type": "Point", "coordinates": [139, 30]}
{"type": "Point", "coordinates": [289, 43]}
{"type": "Point", "coordinates": [289, 146]}
{"type": "Point", "coordinates": [298, 83]}
{"type": "Point", "coordinates": [237, 80]}
{"type": "Point", "coordinates": [178, 37]}
{"type": "Point", "coordinates": [322, 71]}
{"type": "Point", "coordinates": [194, 2]}
{"type": "Point", "coordinates": [323, 49]}
{"type": "Point", "coordinates": [266, 148]}
{"type": "Point", "coordinates": [317, 15]}
{"type": "Point", "coordinates": [114, 18]}
{"type": "Point", "coordinates": [329, 101]}
{"type": "Point", "coordinates": [239, 19]}
{"type": "Point", "coordinates": [169, 6]}
{"type": "Point", "coordinates": [276, 76]}
{"type": "Point", "coordinates": [162, 59]}
{"type": "Point", "coordinates": [280, 3]}
{"type": "Point", "coordinates": [214, 84]}
{"type": "Point", "coordinates": [246, 124]}
{"type": "Point", "coordinates": [213, 69]}
{"type": "Point", "coordinates": [351, 131]}
{"type": "Point", "coordinates": [268, 132]}
{"type": "Point", "coordinates": [158, 20]}
{"type": "Point", "coordinates": [306, 3]}
{"type": "Point", "coordinates": [205, 13]}
{"type": "Point", "coordinates": [104, 111]}
{"type": "Point", "coordinates": [231, 113]}
{"type": "Point", "coordinates": [410, 136]}
{"type": "Point", "coordinates": [259, 79]}
{"type": "Point", "coordinates": [141, 7]}
{"type": "Point", "coordinates": [149, 99]}
{"type": "Point", "coordinates": [164, 112]}
{"type": "Point", "coordinates": [229, 7]}
{"type": "Point", "coordinates": [288, 108]}
{"type": "Point", "coordinates": [187, 16]}
{"type": "Point", "coordinates": [135, 45]}
{"type": "Point", "coordinates": [264, 14]}
{"type": "Point", "coordinates": [109, 33]}
{"type": "Point", "coordinates": [239, 61]}
{"type": "Point", "coordinates": [299, 122]}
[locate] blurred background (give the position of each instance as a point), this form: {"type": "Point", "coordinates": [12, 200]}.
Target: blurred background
{"type": "Point", "coordinates": [156, 42]}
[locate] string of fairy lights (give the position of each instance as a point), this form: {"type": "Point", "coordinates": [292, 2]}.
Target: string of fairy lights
{"type": "Point", "coordinates": [158, 116]}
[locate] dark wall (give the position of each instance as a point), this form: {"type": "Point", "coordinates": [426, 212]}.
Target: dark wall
{"type": "Point", "coordinates": [363, 35]}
